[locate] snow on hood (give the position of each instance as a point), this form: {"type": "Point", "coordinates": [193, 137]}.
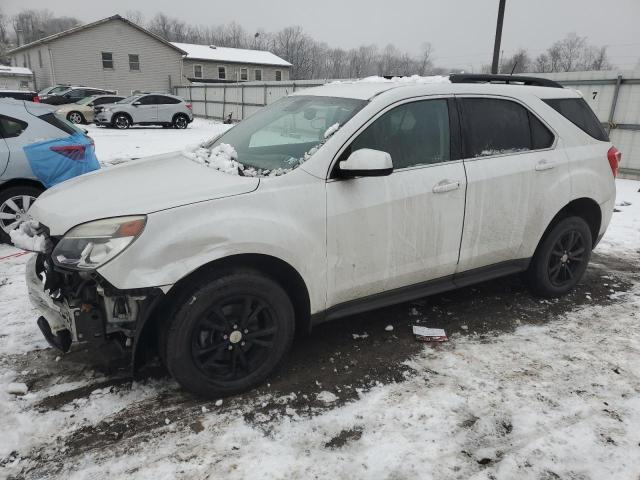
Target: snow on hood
{"type": "Point", "coordinates": [134, 188]}
{"type": "Point", "coordinates": [28, 237]}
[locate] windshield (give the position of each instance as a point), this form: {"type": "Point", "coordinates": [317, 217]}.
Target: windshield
{"type": "Point", "coordinates": [279, 135]}
{"type": "Point", "coordinates": [128, 99]}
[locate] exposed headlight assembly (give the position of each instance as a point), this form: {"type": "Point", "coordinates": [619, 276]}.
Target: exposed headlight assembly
{"type": "Point", "coordinates": [91, 245]}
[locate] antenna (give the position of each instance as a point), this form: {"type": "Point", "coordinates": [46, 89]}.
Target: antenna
{"type": "Point", "coordinates": [514, 67]}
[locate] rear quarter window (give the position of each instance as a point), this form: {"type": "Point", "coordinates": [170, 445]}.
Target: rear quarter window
{"type": "Point", "coordinates": [578, 112]}
{"type": "Point", "coordinates": [11, 127]}
{"type": "Point", "coordinates": [60, 123]}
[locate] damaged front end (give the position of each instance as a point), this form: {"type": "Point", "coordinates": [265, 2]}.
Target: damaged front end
{"type": "Point", "coordinates": [81, 306]}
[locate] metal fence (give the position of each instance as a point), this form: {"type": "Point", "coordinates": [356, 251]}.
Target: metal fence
{"type": "Point", "coordinates": [241, 100]}
{"type": "Point", "coordinates": [613, 96]}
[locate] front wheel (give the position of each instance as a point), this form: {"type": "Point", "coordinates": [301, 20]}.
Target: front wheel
{"type": "Point", "coordinates": [561, 259]}
{"type": "Point", "coordinates": [15, 203]}
{"type": "Point", "coordinates": [230, 334]}
{"type": "Point", "coordinates": [121, 121]}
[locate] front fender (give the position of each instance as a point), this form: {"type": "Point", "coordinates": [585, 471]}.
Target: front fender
{"type": "Point", "coordinates": [288, 225]}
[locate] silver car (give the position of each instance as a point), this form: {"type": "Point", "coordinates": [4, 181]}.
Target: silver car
{"type": "Point", "coordinates": [24, 127]}
{"type": "Point", "coordinates": [145, 109]}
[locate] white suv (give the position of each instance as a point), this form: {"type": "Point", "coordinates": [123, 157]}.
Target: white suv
{"type": "Point", "coordinates": [145, 109]}
{"type": "Point", "coordinates": [331, 201]}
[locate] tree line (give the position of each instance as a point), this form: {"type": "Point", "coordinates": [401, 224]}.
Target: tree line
{"type": "Point", "coordinates": [312, 59]}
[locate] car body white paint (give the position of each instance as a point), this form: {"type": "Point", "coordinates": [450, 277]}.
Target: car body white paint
{"type": "Point", "coordinates": [348, 238]}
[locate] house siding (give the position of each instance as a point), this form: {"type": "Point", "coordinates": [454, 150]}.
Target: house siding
{"type": "Point", "coordinates": [210, 70]}
{"type": "Point", "coordinates": [77, 59]}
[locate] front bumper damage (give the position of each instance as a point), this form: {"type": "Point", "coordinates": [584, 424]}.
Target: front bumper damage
{"type": "Point", "coordinates": [82, 307]}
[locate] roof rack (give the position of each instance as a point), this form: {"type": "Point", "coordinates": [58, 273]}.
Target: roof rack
{"type": "Point", "coordinates": [506, 79]}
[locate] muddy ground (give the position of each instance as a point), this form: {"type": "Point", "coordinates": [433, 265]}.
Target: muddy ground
{"type": "Point", "coordinates": [329, 359]}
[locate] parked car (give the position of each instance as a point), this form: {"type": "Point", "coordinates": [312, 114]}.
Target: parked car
{"type": "Point", "coordinates": [73, 94]}
{"type": "Point", "coordinates": [28, 95]}
{"type": "Point", "coordinates": [37, 150]}
{"type": "Point", "coordinates": [53, 89]}
{"type": "Point", "coordinates": [329, 202]}
{"type": "Point", "coordinates": [146, 109]}
{"type": "Point", "coordinates": [82, 110]}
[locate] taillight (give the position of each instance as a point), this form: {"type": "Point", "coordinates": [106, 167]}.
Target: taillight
{"type": "Point", "coordinates": [36, 99]}
{"type": "Point", "coordinates": [614, 156]}
{"type": "Point", "coordinates": [188, 105]}
{"type": "Point", "coordinates": [74, 152]}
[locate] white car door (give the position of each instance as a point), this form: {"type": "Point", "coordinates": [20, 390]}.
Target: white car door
{"type": "Point", "coordinates": [145, 109]}
{"type": "Point", "coordinates": [512, 166]}
{"type": "Point", "coordinates": [384, 233]}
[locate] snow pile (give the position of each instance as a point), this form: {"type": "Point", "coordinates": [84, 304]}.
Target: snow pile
{"type": "Point", "coordinates": [223, 157]}
{"type": "Point", "coordinates": [27, 237]}
{"type": "Point", "coordinates": [410, 79]}
{"type": "Point", "coordinates": [331, 130]}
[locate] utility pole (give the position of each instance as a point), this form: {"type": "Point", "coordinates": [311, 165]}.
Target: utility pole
{"type": "Point", "coordinates": [496, 45]}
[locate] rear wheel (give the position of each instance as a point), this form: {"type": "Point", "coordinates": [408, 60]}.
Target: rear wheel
{"type": "Point", "coordinates": [229, 334]}
{"type": "Point", "coordinates": [15, 203]}
{"type": "Point", "coordinates": [181, 121]}
{"type": "Point", "coordinates": [121, 121]}
{"type": "Point", "coordinates": [561, 259]}
{"type": "Point", "coordinates": [75, 117]}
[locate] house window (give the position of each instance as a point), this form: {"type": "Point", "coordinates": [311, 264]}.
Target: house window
{"type": "Point", "coordinates": [134, 62]}
{"type": "Point", "coordinates": [244, 74]}
{"type": "Point", "coordinates": [40, 58]}
{"type": "Point", "coordinates": [278, 76]}
{"type": "Point", "coordinates": [197, 71]}
{"type": "Point", "coordinates": [29, 59]}
{"type": "Point", "coordinates": [222, 72]}
{"type": "Point", "coordinates": [107, 60]}
{"type": "Point", "coordinates": [24, 60]}
{"type": "Point", "coordinates": [257, 74]}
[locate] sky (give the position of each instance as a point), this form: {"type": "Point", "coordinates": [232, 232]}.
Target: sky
{"type": "Point", "coordinates": [460, 31]}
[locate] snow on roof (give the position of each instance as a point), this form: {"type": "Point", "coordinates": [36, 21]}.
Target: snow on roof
{"type": "Point", "coordinates": [15, 70]}
{"type": "Point", "coordinates": [233, 55]}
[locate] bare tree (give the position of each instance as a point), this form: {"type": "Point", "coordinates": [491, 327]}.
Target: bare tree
{"type": "Point", "coordinates": [518, 63]}
{"type": "Point", "coordinates": [425, 61]}
{"type": "Point", "coordinates": [134, 16]}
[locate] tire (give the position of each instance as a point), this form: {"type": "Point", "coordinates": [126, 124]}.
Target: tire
{"type": "Point", "coordinates": [76, 117]}
{"type": "Point", "coordinates": [12, 203]}
{"type": "Point", "coordinates": [229, 334]}
{"type": "Point", "coordinates": [180, 121]}
{"type": "Point", "coordinates": [561, 258]}
{"type": "Point", "coordinates": [121, 121]}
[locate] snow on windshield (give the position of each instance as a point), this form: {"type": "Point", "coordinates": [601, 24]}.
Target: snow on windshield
{"type": "Point", "coordinates": [224, 158]}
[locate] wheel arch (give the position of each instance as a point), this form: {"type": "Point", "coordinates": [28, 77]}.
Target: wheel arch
{"type": "Point", "coordinates": [179, 114]}
{"type": "Point", "coordinates": [275, 268]}
{"type": "Point", "coordinates": [585, 208]}
{"type": "Point", "coordinates": [127, 114]}
{"type": "Point", "coordinates": [20, 182]}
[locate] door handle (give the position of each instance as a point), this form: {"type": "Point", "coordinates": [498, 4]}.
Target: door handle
{"type": "Point", "coordinates": [545, 165]}
{"type": "Point", "coordinates": [445, 186]}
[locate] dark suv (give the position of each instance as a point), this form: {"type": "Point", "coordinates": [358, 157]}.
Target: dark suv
{"type": "Point", "coordinates": [73, 94]}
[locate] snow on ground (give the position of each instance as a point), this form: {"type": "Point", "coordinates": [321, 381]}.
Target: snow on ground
{"type": "Point", "coordinates": [116, 146]}
{"type": "Point", "coordinates": [559, 400]}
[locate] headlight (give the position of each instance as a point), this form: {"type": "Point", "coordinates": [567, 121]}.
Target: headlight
{"type": "Point", "coordinates": [91, 245]}
{"type": "Point", "coordinates": [106, 109]}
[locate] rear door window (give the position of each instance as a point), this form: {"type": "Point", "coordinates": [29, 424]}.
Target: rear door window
{"type": "Point", "coordinates": [166, 100]}
{"type": "Point", "coordinates": [11, 127]}
{"type": "Point", "coordinates": [578, 112]}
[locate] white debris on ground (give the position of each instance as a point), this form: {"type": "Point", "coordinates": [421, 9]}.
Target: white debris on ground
{"type": "Point", "coordinates": [26, 237]}
{"type": "Point", "coordinates": [559, 400]}
{"type": "Point", "coordinates": [17, 388]}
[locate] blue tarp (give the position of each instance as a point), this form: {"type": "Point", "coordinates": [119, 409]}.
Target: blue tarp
{"type": "Point", "coordinates": [52, 167]}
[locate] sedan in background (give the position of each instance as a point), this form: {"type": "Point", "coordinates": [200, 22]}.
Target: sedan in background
{"type": "Point", "coordinates": [82, 110]}
{"type": "Point", "coordinates": [74, 94]}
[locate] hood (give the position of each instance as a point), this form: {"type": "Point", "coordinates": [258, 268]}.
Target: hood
{"type": "Point", "coordinates": [135, 188]}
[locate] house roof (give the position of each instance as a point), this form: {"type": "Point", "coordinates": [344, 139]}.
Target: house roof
{"type": "Point", "coordinates": [79, 28]}
{"type": "Point", "coordinates": [6, 70]}
{"type": "Point", "coordinates": [231, 55]}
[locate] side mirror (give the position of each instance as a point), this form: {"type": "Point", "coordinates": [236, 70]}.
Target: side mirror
{"type": "Point", "coordinates": [366, 163]}
{"type": "Point", "coordinates": [135, 104]}
{"type": "Point", "coordinates": [90, 104]}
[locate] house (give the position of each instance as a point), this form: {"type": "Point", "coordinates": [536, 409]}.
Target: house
{"type": "Point", "coordinates": [16, 78]}
{"type": "Point", "coordinates": [116, 54]}
{"type": "Point", "coordinates": [112, 53]}
{"type": "Point", "coordinates": [212, 64]}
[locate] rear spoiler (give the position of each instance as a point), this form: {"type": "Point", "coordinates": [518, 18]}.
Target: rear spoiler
{"type": "Point", "coordinates": [505, 79]}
